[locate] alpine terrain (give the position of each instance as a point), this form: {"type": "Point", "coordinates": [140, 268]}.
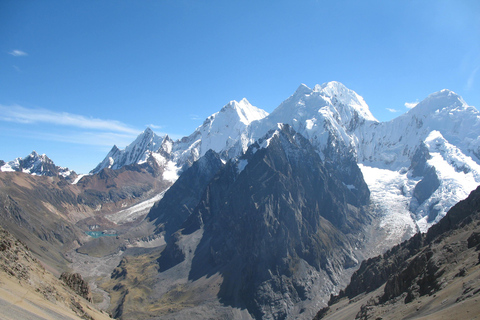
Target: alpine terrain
{"type": "Point", "coordinates": [254, 215]}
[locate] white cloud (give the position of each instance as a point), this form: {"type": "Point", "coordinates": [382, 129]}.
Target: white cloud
{"type": "Point", "coordinates": [154, 126]}
{"type": "Point", "coordinates": [393, 110]}
{"type": "Point", "coordinates": [411, 105]}
{"type": "Point", "coordinates": [103, 139]}
{"type": "Point", "coordinates": [24, 115]}
{"type": "Point", "coordinates": [18, 53]}
{"type": "Point", "coordinates": [195, 117]}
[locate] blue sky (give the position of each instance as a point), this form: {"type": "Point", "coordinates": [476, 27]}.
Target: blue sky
{"type": "Point", "coordinates": [77, 77]}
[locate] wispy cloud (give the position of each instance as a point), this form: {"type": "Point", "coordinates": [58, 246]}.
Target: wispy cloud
{"type": "Point", "coordinates": [18, 53]}
{"type": "Point", "coordinates": [393, 110]}
{"type": "Point", "coordinates": [102, 139]}
{"type": "Point", "coordinates": [195, 117]}
{"type": "Point", "coordinates": [24, 115]}
{"type": "Point", "coordinates": [154, 126]}
{"type": "Point", "coordinates": [471, 78]}
{"type": "Point", "coordinates": [411, 105]}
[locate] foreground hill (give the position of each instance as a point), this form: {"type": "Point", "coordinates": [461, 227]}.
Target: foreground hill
{"type": "Point", "coordinates": [431, 276]}
{"type": "Point", "coordinates": [28, 291]}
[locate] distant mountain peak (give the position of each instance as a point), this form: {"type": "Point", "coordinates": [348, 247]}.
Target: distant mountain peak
{"type": "Point", "coordinates": [148, 131]}
{"type": "Point", "coordinates": [37, 164]}
{"type": "Point", "coordinates": [136, 152]}
{"type": "Point", "coordinates": [245, 111]}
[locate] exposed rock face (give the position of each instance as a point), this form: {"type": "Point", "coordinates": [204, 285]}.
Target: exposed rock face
{"type": "Point", "coordinates": [273, 223]}
{"type": "Point", "coordinates": [14, 257]}
{"type": "Point", "coordinates": [77, 284]}
{"type": "Point", "coordinates": [422, 267]}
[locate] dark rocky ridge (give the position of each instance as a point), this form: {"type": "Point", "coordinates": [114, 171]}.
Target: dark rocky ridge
{"type": "Point", "coordinates": [285, 210]}
{"type": "Point", "coordinates": [428, 185]}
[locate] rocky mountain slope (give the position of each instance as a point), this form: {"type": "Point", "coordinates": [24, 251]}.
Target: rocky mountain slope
{"type": "Point", "coordinates": [431, 276]}
{"type": "Point", "coordinates": [28, 291]}
{"type": "Point", "coordinates": [52, 215]}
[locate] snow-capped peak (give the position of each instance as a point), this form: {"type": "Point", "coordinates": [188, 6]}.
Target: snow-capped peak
{"type": "Point", "coordinates": [438, 101]}
{"type": "Point", "coordinates": [302, 89]}
{"type": "Point", "coordinates": [136, 152]}
{"type": "Point", "coordinates": [339, 93]}
{"type": "Point", "coordinates": [245, 111]}
{"type": "Point", "coordinates": [36, 164]}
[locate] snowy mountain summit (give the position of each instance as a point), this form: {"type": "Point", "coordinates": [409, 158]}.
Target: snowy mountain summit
{"type": "Point", "coordinates": [137, 152]}
{"type": "Point", "coordinates": [221, 131]}
{"type": "Point", "coordinates": [37, 164]}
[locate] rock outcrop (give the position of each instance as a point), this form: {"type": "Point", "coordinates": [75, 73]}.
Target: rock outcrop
{"type": "Point", "coordinates": [77, 284]}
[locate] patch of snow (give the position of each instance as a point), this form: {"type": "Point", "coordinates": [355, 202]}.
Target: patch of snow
{"type": "Point", "coordinates": [170, 172]}
{"type": "Point", "coordinates": [8, 167]}
{"type": "Point", "coordinates": [151, 243]}
{"type": "Point", "coordinates": [350, 186]}
{"type": "Point", "coordinates": [390, 192]}
{"type": "Point", "coordinates": [133, 213]}
{"type": "Point", "coordinates": [242, 164]}
{"type": "Point", "coordinates": [80, 176]}
{"type": "Point", "coordinates": [310, 123]}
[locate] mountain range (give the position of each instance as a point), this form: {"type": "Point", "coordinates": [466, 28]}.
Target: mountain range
{"type": "Point", "coordinates": [424, 161]}
{"type": "Point", "coordinates": [255, 215]}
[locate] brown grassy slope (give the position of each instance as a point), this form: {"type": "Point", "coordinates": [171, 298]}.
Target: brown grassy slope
{"type": "Point", "coordinates": [431, 276]}
{"type": "Point", "coordinates": [28, 291]}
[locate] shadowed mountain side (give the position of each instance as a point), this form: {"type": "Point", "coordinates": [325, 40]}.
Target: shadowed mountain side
{"type": "Point", "coordinates": [183, 196]}
{"type": "Point", "coordinates": [42, 214]}
{"type": "Point", "coordinates": [282, 213]}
